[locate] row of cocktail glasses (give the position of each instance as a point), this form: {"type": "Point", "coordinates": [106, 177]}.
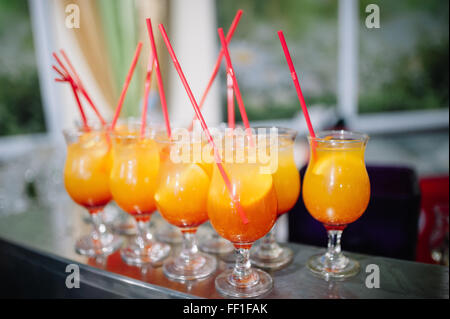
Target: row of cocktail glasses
{"type": "Point", "coordinates": [143, 170]}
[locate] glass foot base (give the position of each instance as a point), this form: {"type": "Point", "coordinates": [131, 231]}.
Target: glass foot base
{"type": "Point", "coordinates": [262, 285]}
{"type": "Point", "coordinates": [271, 260]}
{"type": "Point", "coordinates": [106, 245]}
{"type": "Point", "coordinates": [200, 267]}
{"type": "Point", "coordinates": [342, 269]}
{"type": "Point", "coordinates": [215, 245]}
{"type": "Point", "coordinates": [152, 254]}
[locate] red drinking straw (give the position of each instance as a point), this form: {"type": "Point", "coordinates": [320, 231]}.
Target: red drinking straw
{"type": "Point", "coordinates": [79, 84]}
{"type": "Point", "coordinates": [230, 71]}
{"type": "Point", "coordinates": [296, 83]}
{"type": "Point", "coordinates": [230, 101]}
{"type": "Point", "coordinates": [148, 81]}
{"type": "Point", "coordinates": [230, 34]}
{"type": "Point", "coordinates": [203, 124]}
{"type": "Point", "coordinates": [65, 78]}
{"type": "Point", "coordinates": [65, 73]}
{"type": "Point", "coordinates": [126, 84]}
{"type": "Point", "coordinates": [77, 98]}
{"type": "Point", "coordinates": [162, 95]}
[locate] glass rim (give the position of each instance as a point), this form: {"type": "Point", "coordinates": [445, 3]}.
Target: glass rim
{"type": "Point", "coordinates": [150, 131]}
{"type": "Point", "coordinates": [78, 131]}
{"type": "Point", "coordinates": [95, 123]}
{"type": "Point", "coordinates": [352, 137]}
{"type": "Point", "coordinates": [79, 128]}
{"type": "Point", "coordinates": [286, 130]}
{"type": "Point", "coordinates": [137, 121]}
{"type": "Point", "coordinates": [121, 120]}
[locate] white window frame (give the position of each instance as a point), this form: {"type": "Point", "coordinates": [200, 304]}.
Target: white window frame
{"type": "Point", "coordinates": [41, 14]}
{"type": "Point", "coordinates": [383, 122]}
{"type": "Point", "coordinates": [12, 146]}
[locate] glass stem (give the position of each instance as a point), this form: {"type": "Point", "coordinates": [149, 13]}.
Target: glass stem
{"type": "Point", "coordinates": [189, 247]}
{"type": "Point", "coordinates": [143, 233]}
{"type": "Point", "coordinates": [334, 247]}
{"type": "Point", "coordinates": [98, 225]}
{"type": "Point", "coordinates": [242, 272]}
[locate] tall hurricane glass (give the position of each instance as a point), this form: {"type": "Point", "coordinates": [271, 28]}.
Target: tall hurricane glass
{"type": "Point", "coordinates": [133, 182]}
{"type": "Point", "coordinates": [181, 198]}
{"type": "Point", "coordinates": [336, 192]}
{"type": "Point", "coordinates": [286, 178]}
{"type": "Point", "coordinates": [253, 187]}
{"type": "Point", "coordinates": [86, 179]}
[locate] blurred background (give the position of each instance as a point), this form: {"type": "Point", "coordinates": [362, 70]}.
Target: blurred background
{"type": "Point", "coordinates": [391, 82]}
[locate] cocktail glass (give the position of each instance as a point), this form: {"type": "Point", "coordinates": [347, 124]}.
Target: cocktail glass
{"type": "Point", "coordinates": [133, 183]}
{"type": "Point", "coordinates": [255, 191]}
{"type": "Point", "coordinates": [181, 199]}
{"type": "Point", "coordinates": [286, 179]}
{"type": "Point", "coordinates": [86, 179]}
{"type": "Point", "coordinates": [336, 192]}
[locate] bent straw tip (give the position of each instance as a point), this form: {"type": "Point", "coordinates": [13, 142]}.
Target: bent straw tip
{"type": "Point", "coordinates": [281, 35]}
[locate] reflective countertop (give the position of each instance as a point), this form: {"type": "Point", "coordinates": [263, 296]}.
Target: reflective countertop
{"type": "Point", "coordinates": [50, 231]}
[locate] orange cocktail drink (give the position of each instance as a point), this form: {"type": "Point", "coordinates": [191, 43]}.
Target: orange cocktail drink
{"type": "Point", "coordinates": [336, 186]}
{"type": "Point", "coordinates": [181, 198]}
{"type": "Point", "coordinates": [286, 179]}
{"type": "Point", "coordinates": [257, 197]}
{"type": "Point", "coordinates": [336, 192]}
{"type": "Point", "coordinates": [253, 188]}
{"type": "Point", "coordinates": [86, 171]}
{"type": "Point", "coordinates": [133, 182]}
{"type": "Point", "coordinates": [86, 179]}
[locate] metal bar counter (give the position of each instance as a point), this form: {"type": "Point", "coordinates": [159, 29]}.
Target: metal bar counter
{"type": "Point", "coordinates": [37, 246]}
